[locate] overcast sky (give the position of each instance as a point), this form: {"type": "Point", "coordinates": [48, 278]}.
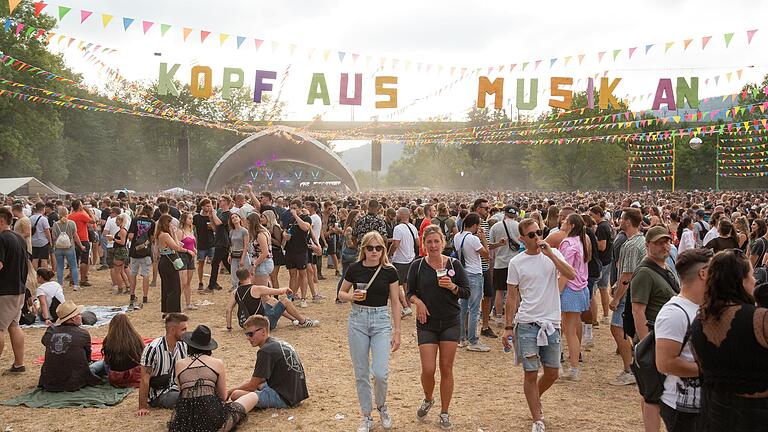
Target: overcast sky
{"type": "Point", "coordinates": [447, 32]}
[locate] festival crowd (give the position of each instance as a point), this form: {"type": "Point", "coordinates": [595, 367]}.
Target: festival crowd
{"type": "Point", "coordinates": [679, 278]}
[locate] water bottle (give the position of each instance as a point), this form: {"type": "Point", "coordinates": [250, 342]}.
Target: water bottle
{"type": "Point", "coordinates": [511, 347]}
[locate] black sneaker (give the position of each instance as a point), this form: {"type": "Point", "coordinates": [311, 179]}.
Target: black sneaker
{"type": "Point", "coordinates": [200, 287]}
{"type": "Point", "coordinates": [85, 283]}
{"type": "Point", "coordinates": [423, 410]}
{"type": "Point", "coordinates": [218, 287]}
{"type": "Point", "coordinates": [144, 300]}
{"type": "Point", "coordinates": [15, 369]}
{"type": "Point", "coordinates": [488, 332]}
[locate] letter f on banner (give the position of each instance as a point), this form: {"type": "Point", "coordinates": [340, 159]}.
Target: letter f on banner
{"type": "Point", "coordinates": [165, 82]}
{"type": "Point", "coordinates": [496, 88]}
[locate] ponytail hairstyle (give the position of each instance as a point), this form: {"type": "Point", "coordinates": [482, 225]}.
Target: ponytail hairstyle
{"type": "Point", "coordinates": [577, 229]}
{"type": "Point", "coordinates": [725, 228]}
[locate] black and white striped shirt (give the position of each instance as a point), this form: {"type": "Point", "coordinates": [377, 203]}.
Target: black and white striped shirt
{"type": "Point", "coordinates": [157, 357]}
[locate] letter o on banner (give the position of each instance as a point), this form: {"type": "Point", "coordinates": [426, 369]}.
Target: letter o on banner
{"type": "Point", "coordinates": [206, 90]}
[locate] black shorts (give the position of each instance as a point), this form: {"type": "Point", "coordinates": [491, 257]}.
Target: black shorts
{"type": "Point", "coordinates": [402, 272]}
{"type": "Point", "coordinates": [437, 334]}
{"type": "Point", "coordinates": [42, 252]}
{"type": "Point", "coordinates": [500, 278]}
{"type": "Point", "coordinates": [296, 260]}
{"type": "Point", "coordinates": [83, 255]}
{"type": "Point", "coordinates": [488, 289]}
{"type": "Point", "coordinates": [311, 257]}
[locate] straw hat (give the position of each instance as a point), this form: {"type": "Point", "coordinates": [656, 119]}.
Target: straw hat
{"type": "Point", "coordinates": [67, 310]}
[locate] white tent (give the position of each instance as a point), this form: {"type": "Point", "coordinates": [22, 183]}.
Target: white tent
{"type": "Point", "coordinates": [25, 186]}
{"type": "Point", "coordinates": [178, 191]}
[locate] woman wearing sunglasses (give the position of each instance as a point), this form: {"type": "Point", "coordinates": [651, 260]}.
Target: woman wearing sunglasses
{"type": "Point", "coordinates": [730, 339]}
{"type": "Point", "coordinates": [435, 285]}
{"type": "Point", "coordinates": [369, 284]}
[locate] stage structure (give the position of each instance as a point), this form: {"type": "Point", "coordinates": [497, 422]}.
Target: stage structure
{"type": "Point", "coordinates": [278, 143]}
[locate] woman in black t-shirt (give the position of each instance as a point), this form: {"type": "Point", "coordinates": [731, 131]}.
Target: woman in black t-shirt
{"type": "Point", "coordinates": [369, 284]}
{"type": "Point", "coordinates": [437, 314]}
{"type": "Point", "coordinates": [727, 237]}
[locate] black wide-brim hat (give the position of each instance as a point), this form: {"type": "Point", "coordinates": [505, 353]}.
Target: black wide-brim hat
{"type": "Point", "coordinates": [200, 339]}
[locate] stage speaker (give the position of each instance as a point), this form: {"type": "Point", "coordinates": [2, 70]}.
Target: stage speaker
{"type": "Point", "coordinates": [376, 156]}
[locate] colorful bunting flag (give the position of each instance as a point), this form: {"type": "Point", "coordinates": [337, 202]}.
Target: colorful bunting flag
{"type": "Point", "coordinates": [258, 43]}
{"type": "Point", "coordinates": [223, 38]}
{"type": "Point", "coordinates": [127, 23]}
{"type": "Point", "coordinates": [552, 62]}
{"type": "Point", "coordinates": [12, 5]}
{"type": "Point", "coordinates": [686, 43]}
{"type": "Point", "coordinates": [705, 41]}
{"type": "Point", "coordinates": [147, 25]}
{"type": "Point", "coordinates": [204, 35]}
{"type": "Point", "coordinates": [600, 56]}
{"type": "Point", "coordinates": [632, 51]}
{"type": "Point", "coordinates": [616, 54]}
{"type": "Point", "coordinates": [164, 28]}
{"type": "Point", "coordinates": [728, 37]}
{"type": "Point", "coordinates": [668, 46]}
{"type": "Point", "coordinates": [750, 34]}
{"type": "Point", "coordinates": [63, 11]}
{"type": "Point", "coordinates": [39, 6]}
{"type": "Point", "coordinates": [648, 47]}
{"type": "Point", "coordinates": [581, 58]}
{"type": "Point", "coordinates": [186, 31]}
{"type": "Point", "coordinates": [341, 56]}
{"type": "Point", "coordinates": [240, 40]}
{"type": "Point", "coordinates": [537, 63]}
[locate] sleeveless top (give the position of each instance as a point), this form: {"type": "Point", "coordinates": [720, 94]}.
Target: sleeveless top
{"type": "Point", "coordinates": [256, 247]}
{"type": "Point", "coordinates": [117, 237]}
{"type": "Point", "coordinates": [253, 305]}
{"type": "Point", "coordinates": [732, 351]}
{"type": "Point", "coordinates": [189, 242]}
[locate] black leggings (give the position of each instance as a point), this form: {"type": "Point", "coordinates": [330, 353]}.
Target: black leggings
{"type": "Point", "coordinates": [170, 286]}
{"type": "Point", "coordinates": [220, 256]}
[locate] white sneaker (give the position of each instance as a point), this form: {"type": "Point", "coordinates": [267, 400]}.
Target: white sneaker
{"type": "Point", "coordinates": [589, 343]}
{"type": "Point", "coordinates": [463, 343]}
{"type": "Point", "coordinates": [366, 425]}
{"type": "Point", "coordinates": [573, 375]}
{"type": "Point", "coordinates": [386, 420]}
{"type": "Point", "coordinates": [538, 426]}
{"type": "Point", "coordinates": [303, 303]}
{"type": "Point", "coordinates": [307, 323]}
{"type": "Point", "coordinates": [624, 378]}
{"type": "Point", "coordinates": [76, 288]}
{"type": "Point", "coordinates": [406, 311]}
{"type": "Point", "coordinates": [478, 347]}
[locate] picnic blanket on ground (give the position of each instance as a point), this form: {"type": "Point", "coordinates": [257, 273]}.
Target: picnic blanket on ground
{"type": "Point", "coordinates": [101, 396]}
{"type": "Point", "coordinates": [104, 315]}
{"type": "Point", "coordinates": [96, 345]}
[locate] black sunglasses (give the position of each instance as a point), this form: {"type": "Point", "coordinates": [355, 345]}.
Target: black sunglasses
{"type": "Point", "coordinates": [534, 234]}
{"type": "Point", "coordinates": [251, 333]}
{"type": "Point", "coordinates": [374, 248]}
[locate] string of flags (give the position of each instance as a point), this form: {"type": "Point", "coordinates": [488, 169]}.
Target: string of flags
{"type": "Point", "coordinates": [46, 36]}
{"type": "Point", "coordinates": [149, 27]}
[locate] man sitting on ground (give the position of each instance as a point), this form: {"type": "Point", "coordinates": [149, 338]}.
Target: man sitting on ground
{"type": "Point", "coordinates": [67, 352]}
{"type": "Point", "coordinates": [278, 377]}
{"type": "Point", "coordinates": [158, 387]}
{"type": "Point", "coordinates": [257, 300]}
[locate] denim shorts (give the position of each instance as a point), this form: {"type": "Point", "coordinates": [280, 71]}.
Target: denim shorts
{"type": "Point", "coordinates": [616, 318]}
{"type": "Point", "coordinates": [141, 266]}
{"type": "Point", "coordinates": [532, 355]}
{"type": "Point", "coordinates": [265, 268]}
{"type": "Point", "coordinates": [273, 313]}
{"type": "Point", "coordinates": [203, 253]}
{"type": "Point", "coordinates": [268, 398]}
{"type": "Point", "coordinates": [605, 276]}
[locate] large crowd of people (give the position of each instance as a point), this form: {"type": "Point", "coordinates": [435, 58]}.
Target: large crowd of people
{"type": "Point", "coordinates": [682, 273]}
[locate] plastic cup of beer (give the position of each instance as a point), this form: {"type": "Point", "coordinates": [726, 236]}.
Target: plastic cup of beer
{"type": "Point", "coordinates": [441, 273]}
{"type": "Point", "coordinates": [361, 288]}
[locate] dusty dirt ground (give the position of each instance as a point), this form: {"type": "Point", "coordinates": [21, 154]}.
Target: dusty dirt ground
{"type": "Point", "coordinates": [488, 393]}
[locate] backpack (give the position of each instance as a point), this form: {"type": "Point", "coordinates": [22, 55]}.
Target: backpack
{"type": "Point", "coordinates": [448, 236]}
{"type": "Point", "coordinates": [627, 317]}
{"type": "Point", "coordinates": [650, 382]}
{"type": "Point", "coordinates": [242, 308]}
{"type": "Point", "coordinates": [141, 244]}
{"type": "Point", "coordinates": [62, 241]}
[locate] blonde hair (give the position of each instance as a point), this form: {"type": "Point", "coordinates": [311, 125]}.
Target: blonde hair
{"type": "Point", "coordinates": [120, 220]}
{"type": "Point", "coordinates": [432, 229]}
{"type": "Point", "coordinates": [269, 215]}
{"type": "Point", "coordinates": [367, 239]}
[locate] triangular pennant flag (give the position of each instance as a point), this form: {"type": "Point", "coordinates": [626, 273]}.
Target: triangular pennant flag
{"type": "Point", "coordinates": [750, 34]}
{"type": "Point", "coordinates": [728, 76]}
{"type": "Point", "coordinates": [686, 43]}
{"type": "Point", "coordinates": [223, 38]}
{"type": "Point", "coordinates": [84, 14]}
{"type": "Point", "coordinates": [616, 54]}
{"type": "Point", "coordinates": [728, 37]}
{"type": "Point", "coordinates": [147, 25]}
{"type": "Point", "coordinates": [19, 28]}
{"type": "Point", "coordinates": [738, 73]}
{"type": "Point", "coordinates": [552, 62]}
{"type": "Point", "coordinates": [648, 47]}
{"type": "Point", "coordinates": [717, 79]}
{"type": "Point", "coordinates": [355, 57]}
{"type": "Point", "coordinates": [705, 41]}
{"type": "Point", "coordinates": [63, 11]}
{"type": "Point", "coordinates": [186, 31]}
{"type": "Point", "coordinates": [164, 28]}
{"type": "Point", "coordinates": [39, 6]}
{"type": "Point", "coordinates": [326, 54]}
{"type": "Point", "coordinates": [525, 64]}
{"type": "Point", "coordinates": [258, 43]}
{"type": "Point", "coordinates": [581, 58]}
{"type": "Point", "coordinates": [512, 66]}
{"type": "Point", "coordinates": [341, 56]}
{"type": "Point", "coordinates": [127, 23]}
{"type": "Point", "coordinates": [240, 40]}
{"type": "Point", "coordinates": [567, 59]}
{"type": "Point", "coordinates": [105, 20]}
{"type": "Point", "coordinates": [632, 51]}
{"type": "Point", "coordinates": [600, 56]}
{"type": "Point", "coordinates": [537, 64]}
{"type": "Point", "coordinates": [12, 4]}
{"type": "Point", "coordinates": [667, 46]}
{"type": "Point", "coordinates": [204, 35]}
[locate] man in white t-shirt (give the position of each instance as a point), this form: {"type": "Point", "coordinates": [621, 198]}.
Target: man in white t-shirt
{"type": "Point", "coordinates": [504, 235]}
{"type": "Point", "coordinates": [681, 400]}
{"type": "Point", "coordinates": [535, 322]}
{"type": "Point", "coordinates": [314, 266]}
{"type": "Point", "coordinates": [403, 250]}
{"type": "Point", "coordinates": [470, 245]}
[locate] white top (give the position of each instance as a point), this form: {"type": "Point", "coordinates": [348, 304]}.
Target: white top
{"type": "Point", "coordinates": [111, 228]}
{"type": "Point", "coordinates": [505, 253]}
{"type": "Point", "coordinates": [536, 278]}
{"type": "Point", "coordinates": [404, 254]}
{"type": "Point", "coordinates": [245, 210]}
{"type": "Point", "coordinates": [687, 241]}
{"type": "Point", "coordinates": [472, 245]}
{"type": "Point", "coordinates": [672, 324]}
{"type": "Point", "coordinates": [711, 234]}
{"type": "Point", "coordinates": [317, 225]}
{"type": "Point", "coordinates": [50, 290]}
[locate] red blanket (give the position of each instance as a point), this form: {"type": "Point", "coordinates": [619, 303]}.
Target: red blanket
{"type": "Point", "coordinates": [96, 354]}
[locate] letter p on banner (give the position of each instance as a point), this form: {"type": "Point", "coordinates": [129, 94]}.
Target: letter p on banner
{"type": "Point", "coordinates": [228, 84]}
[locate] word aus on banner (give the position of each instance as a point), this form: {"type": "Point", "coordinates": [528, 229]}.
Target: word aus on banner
{"type": "Point", "coordinates": [562, 95]}
{"type": "Point", "coordinates": [201, 85]}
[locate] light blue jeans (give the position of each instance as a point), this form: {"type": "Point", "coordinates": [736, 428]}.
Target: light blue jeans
{"type": "Point", "coordinates": [69, 254]}
{"type": "Point", "coordinates": [235, 266]}
{"type": "Point", "coordinates": [471, 307]}
{"type": "Point", "coordinates": [369, 334]}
